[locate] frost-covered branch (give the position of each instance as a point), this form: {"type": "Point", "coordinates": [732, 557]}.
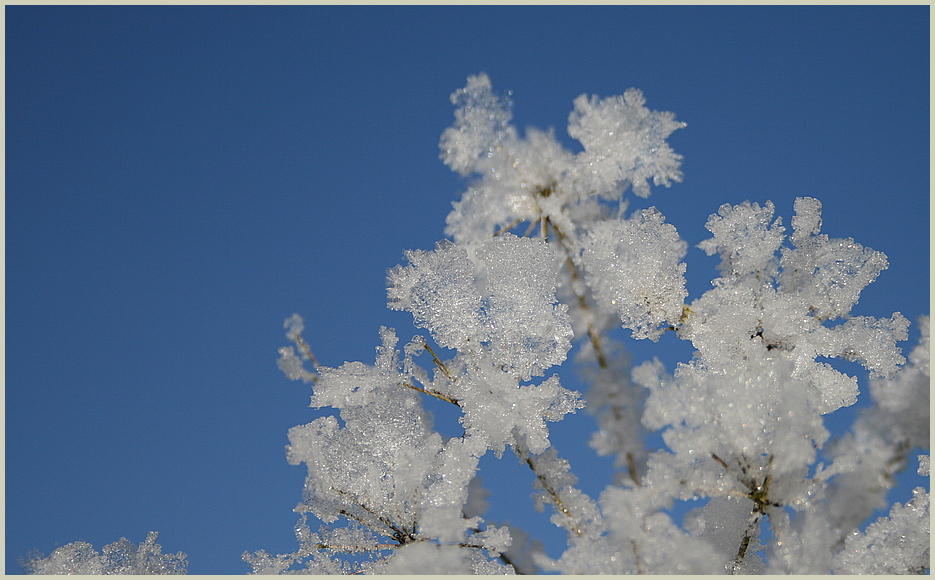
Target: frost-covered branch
{"type": "Point", "coordinates": [742, 421]}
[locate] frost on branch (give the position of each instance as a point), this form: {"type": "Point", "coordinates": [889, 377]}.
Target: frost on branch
{"type": "Point", "coordinates": [385, 470]}
{"type": "Point", "coordinates": [386, 473]}
{"type": "Point", "coordinates": [896, 544]}
{"type": "Point", "coordinates": [503, 294]}
{"type": "Point", "coordinates": [636, 270]}
{"type": "Point", "coordinates": [868, 457]}
{"type": "Point", "coordinates": [614, 270]}
{"type": "Point", "coordinates": [728, 431]}
{"type": "Point", "coordinates": [120, 557]}
{"type": "Point", "coordinates": [764, 307]}
{"type": "Point", "coordinates": [830, 273]}
{"type": "Point", "coordinates": [499, 297]}
{"type": "Point", "coordinates": [743, 419]}
{"type": "Point", "coordinates": [623, 142]}
{"type": "Point", "coordinates": [534, 179]}
{"type": "Point", "coordinates": [481, 124]}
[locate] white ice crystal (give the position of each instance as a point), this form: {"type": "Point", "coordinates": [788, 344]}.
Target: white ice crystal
{"type": "Point", "coordinates": [866, 459]}
{"type": "Point", "coordinates": [903, 402]}
{"type": "Point", "coordinates": [744, 238]}
{"type": "Point", "coordinates": [498, 297]}
{"type": "Point", "coordinates": [896, 544]}
{"type": "Point", "coordinates": [496, 408]}
{"type": "Point", "coordinates": [534, 179]}
{"type": "Point", "coordinates": [573, 510]}
{"type": "Point", "coordinates": [120, 557]}
{"type": "Point", "coordinates": [438, 289]}
{"type": "Point", "coordinates": [354, 383]}
{"type": "Point", "coordinates": [476, 503]}
{"type": "Point", "coordinates": [635, 269]}
{"type": "Point", "coordinates": [639, 540]}
{"type": "Point", "coordinates": [481, 122]}
{"type": "Point", "coordinates": [830, 274]}
{"type": "Point", "coordinates": [379, 463]}
{"type": "Point", "coordinates": [763, 307]}
{"type": "Point", "coordinates": [727, 432]}
{"type": "Point", "coordinates": [725, 522]}
{"type": "Point", "coordinates": [623, 142]}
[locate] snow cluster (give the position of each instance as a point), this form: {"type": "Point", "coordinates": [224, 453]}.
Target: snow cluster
{"type": "Point", "coordinates": [769, 308]}
{"type": "Point", "coordinates": [896, 544]}
{"type": "Point", "coordinates": [498, 297]}
{"type": "Point", "coordinates": [623, 142]}
{"type": "Point", "coordinates": [532, 178]}
{"type": "Point", "coordinates": [635, 268]}
{"type": "Point", "coordinates": [381, 466]}
{"type": "Point", "coordinates": [120, 557]}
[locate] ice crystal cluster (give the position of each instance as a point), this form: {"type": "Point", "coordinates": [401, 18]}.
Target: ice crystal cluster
{"type": "Point", "coordinates": [120, 557]}
{"type": "Point", "coordinates": [542, 257]}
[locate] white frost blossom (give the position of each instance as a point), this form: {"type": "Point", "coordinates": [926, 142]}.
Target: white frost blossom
{"type": "Point", "coordinates": [534, 178]}
{"type": "Point", "coordinates": [499, 296]}
{"type": "Point", "coordinates": [624, 142]}
{"type": "Point", "coordinates": [121, 557]}
{"type": "Point", "coordinates": [636, 270]}
{"type": "Point", "coordinates": [761, 307]}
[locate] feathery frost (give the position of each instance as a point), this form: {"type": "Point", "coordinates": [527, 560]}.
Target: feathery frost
{"type": "Point", "coordinates": [542, 255]}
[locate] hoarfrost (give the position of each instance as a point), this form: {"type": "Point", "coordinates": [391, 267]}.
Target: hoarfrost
{"type": "Point", "coordinates": [635, 269]}
{"type": "Point", "coordinates": [500, 295]}
{"type": "Point", "coordinates": [762, 307]}
{"type": "Point", "coordinates": [742, 421]}
{"type": "Point", "coordinates": [623, 141]}
{"type": "Point", "coordinates": [481, 122]}
{"type": "Point", "coordinates": [535, 179]}
{"type": "Point", "coordinates": [896, 544]}
{"type": "Point", "coordinates": [120, 557]}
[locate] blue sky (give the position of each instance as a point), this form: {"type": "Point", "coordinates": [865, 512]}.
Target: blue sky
{"type": "Point", "coordinates": [180, 180]}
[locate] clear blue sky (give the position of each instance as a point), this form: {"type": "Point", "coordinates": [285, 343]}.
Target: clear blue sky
{"type": "Point", "coordinates": [180, 180]}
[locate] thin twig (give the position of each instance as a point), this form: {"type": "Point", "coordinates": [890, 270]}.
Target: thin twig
{"type": "Point", "coordinates": [435, 394]}
{"type": "Point", "coordinates": [553, 494]}
{"type": "Point", "coordinates": [438, 363]}
{"type": "Point", "coordinates": [582, 300]}
{"type": "Point", "coordinates": [507, 228]}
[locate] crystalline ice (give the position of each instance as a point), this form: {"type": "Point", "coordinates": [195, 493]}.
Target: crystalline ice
{"type": "Point", "coordinates": [438, 289]}
{"type": "Point", "coordinates": [742, 420]}
{"type": "Point", "coordinates": [635, 268]}
{"type": "Point", "coordinates": [831, 273]}
{"type": "Point", "coordinates": [503, 298]}
{"type": "Point", "coordinates": [744, 238]}
{"type": "Point", "coordinates": [755, 417]}
{"type": "Point", "coordinates": [764, 307]}
{"type": "Point", "coordinates": [480, 123]}
{"type": "Point", "coordinates": [623, 142]}
{"type": "Point", "coordinates": [529, 332]}
{"type": "Point", "coordinates": [120, 557]}
{"type": "Point", "coordinates": [897, 544]}
{"type": "Point", "coordinates": [354, 383]}
{"type": "Point", "coordinates": [496, 408]}
{"type": "Point", "coordinates": [535, 178]}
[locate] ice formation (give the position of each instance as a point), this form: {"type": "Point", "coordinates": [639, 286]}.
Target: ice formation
{"type": "Point", "coordinates": [542, 254]}
{"type": "Point", "coordinates": [742, 421]}
{"type": "Point", "coordinates": [121, 557]}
